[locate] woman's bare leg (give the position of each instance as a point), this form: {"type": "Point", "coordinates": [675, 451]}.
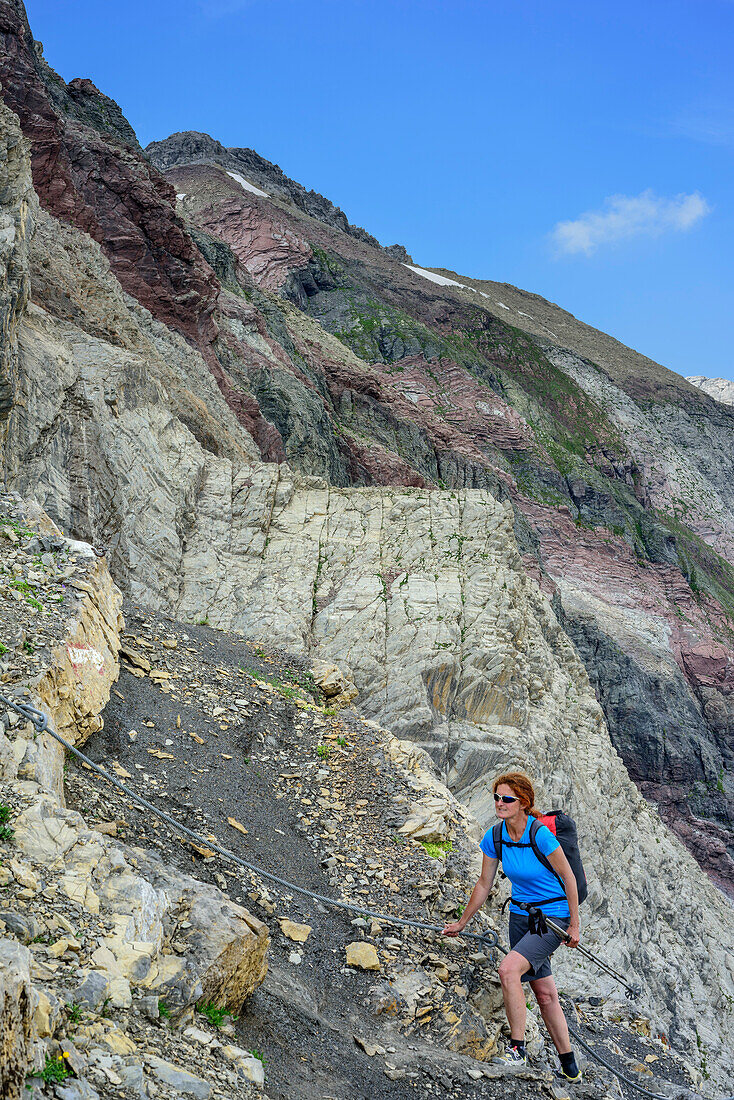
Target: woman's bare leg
{"type": "Point", "coordinates": [511, 970]}
{"type": "Point", "coordinates": [546, 995]}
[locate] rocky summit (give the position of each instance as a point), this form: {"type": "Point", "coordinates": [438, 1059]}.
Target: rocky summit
{"type": "Point", "coordinates": [304, 542]}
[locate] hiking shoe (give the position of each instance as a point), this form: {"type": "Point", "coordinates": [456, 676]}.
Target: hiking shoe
{"type": "Point", "coordinates": [512, 1058]}
{"type": "Point", "coordinates": [572, 1074]}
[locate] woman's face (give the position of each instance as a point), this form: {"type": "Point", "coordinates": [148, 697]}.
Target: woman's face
{"type": "Point", "coordinates": [507, 810]}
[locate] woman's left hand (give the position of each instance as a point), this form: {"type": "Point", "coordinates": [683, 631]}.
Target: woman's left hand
{"type": "Point", "coordinates": [573, 935]}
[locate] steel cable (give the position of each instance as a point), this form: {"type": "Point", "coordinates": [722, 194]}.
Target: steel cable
{"type": "Point", "coordinates": [40, 721]}
{"type": "Point", "coordinates": [489, 939]}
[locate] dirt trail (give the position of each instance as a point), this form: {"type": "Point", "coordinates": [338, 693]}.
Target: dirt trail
{"type": "Point", "coordinates": [239, 744]}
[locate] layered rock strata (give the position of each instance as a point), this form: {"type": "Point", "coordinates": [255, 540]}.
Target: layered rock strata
{"type": "Point", "coordinates": [63, 612]}
{"type": "Point", "coordinates": [721, 389]}
{"type": "Point", "coordinates": [88, 169]}
{"type": "Point", "coordinates": [136, 442]}
{"type": "Point", "coordinates": [475, 384]}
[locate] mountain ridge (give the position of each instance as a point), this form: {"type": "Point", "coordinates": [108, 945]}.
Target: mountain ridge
{"type": "Point", "coordinates": [543, 439]}
{"type": "Point", "coordinates": [274, 425]}
{"type": "Point", "coordinates": [194, 147]}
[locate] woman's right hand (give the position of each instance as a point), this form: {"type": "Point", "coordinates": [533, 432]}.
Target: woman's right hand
{"type": "Point", "coordinates": [454, 929]}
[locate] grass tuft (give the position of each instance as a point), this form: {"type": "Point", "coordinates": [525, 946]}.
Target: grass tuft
{"type": "Point", "coordinates": [214, 1014]}
{"type": "Point", "coordinates": [437, 849]}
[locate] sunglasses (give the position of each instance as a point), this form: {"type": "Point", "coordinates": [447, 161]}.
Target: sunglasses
{"type": "Point", "coordinates": [505, 798]}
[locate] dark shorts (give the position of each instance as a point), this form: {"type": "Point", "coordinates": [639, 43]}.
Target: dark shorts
{"type": "Point", "coordinates": [536, 949]}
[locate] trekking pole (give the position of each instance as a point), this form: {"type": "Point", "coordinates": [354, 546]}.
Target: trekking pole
{"type": "Point", "coordinates": [632, 991]}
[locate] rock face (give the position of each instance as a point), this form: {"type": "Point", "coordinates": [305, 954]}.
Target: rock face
{"type": "Point", "coordinates": [18, 197]}
{"type": "Point", "coordinates": [129, 908]}
{"type": "Point", "coordinates": [445, 443]}
{"type": "Point", "coordinates": [88, 170]}
{"type": "Point", "coordinates": [721, 389]}
{"type": "Point", "coordinates": [60, 623]}
{"type": "Point", "coordinates": [16, 1014]}
{"type": "Point", "coordinates": [488, 681]}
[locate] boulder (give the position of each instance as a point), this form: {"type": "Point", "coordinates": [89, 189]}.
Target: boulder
{"type": "Point", "coordinates": [430, 819]}
{"type": "Point", "coordinates": [362, 955]}
{"type": "Point", "coordinates": [334, 682]}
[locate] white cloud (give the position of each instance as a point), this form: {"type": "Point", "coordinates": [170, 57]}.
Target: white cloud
{"type": "Point", "coordinates": [625, 216]}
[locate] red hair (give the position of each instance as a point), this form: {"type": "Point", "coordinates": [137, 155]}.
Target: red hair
{"type": "Point", "coordinates": [520, 785]}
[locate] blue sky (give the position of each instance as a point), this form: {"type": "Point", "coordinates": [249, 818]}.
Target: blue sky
{"type": "Point", "coordinates": [580, 150]}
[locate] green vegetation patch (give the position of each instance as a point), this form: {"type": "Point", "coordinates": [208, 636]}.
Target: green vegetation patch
{"type": "Point", "coordinates": [75, 1012]}
{"type": "Point", "coordinates": [437, 849]}
{"type": "Point", "coordinates": [7, 832]}
{"type": "Point", "coordinates": [215, 1014]}
{"type": "Point", "coordinates": [374, 331]}
{"type": "Point", "coordinates": [291, 685]}
{"type": "Point", "coordinates": [329, 263]}
{"type": "Point", "coordinates": [705, 570]}
{"type": "Point", "coordinates": [18, 529]}
{"type": "Point", "coordinates": [54, 1071]}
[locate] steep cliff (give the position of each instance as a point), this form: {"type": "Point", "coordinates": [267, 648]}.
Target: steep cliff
{"type": "Point", "coordinates": [461, 494]}
{"type": "Point", "coordinates": [88, 170]}
{"type": "Point", "coordinates": [721, 389]}
{"type": "Point", "coordinates": [605, 455]}
{"type": "Point", "coordinates": [18, 197]}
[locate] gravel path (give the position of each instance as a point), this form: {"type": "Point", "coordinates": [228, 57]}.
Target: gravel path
{"type": "Point", "coordinates": [238, 743]}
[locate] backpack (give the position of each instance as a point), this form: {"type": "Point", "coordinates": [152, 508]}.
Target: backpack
{"type": "Point", "coordinates": [563, 828]}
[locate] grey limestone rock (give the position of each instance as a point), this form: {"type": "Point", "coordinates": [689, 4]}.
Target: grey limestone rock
{"type": "Point", "coordinates": [24, 928]}
{"type": "Point", "coordinates": [93, 990]}
{"type": "Point", "coordinates": [19, 204]}
{"type": "Point", "coordinates": [79, 1089]}
{"type": "Point", "coordinates": [16, 1015]}
{"type": "Point", "coordinates": [186, 1083]}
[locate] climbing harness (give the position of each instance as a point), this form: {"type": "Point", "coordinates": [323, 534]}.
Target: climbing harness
{"type": "Point", "coordinates": [540, 922]}
{"type": "Point", "coordinates": [488, 940]}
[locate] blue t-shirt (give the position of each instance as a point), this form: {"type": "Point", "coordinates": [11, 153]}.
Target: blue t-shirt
{"type": "Point", "coordinates": [530, 880]}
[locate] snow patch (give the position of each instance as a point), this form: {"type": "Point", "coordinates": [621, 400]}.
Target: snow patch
{"type": "Point", "coordinates": [434, 278]}
{"type": "Point", "coordinates": [247, 186]}
{"type": "Point", "coordinates": [521, 314]}
{"type": "Point", "coordinates": [181, 195]}
{"type": "Point", "coordinates": [501, 305]}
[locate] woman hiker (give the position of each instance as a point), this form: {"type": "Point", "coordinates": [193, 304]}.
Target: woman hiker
{"type": "Point", "coordinates": [529, 957]}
